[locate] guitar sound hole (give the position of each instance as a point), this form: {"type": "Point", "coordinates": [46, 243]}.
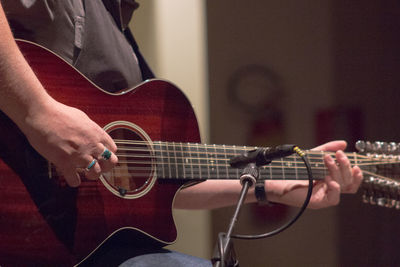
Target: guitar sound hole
{"type": "Point", "coordinates": [133, 175]}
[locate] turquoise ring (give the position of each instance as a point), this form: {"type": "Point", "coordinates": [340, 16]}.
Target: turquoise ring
{"type": "Point", "coordinates": [106, 154]}
{"type": "Point", "coordinates": [91, 165]}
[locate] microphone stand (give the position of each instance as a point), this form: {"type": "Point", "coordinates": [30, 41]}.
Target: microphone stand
{"type": "Point", "coordinates": [224, 254]}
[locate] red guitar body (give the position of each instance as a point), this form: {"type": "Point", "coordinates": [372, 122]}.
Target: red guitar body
{"type": "Point", "coordinates": [45, 223]}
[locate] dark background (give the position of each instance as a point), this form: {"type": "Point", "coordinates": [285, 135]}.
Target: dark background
{"type": "Point", "coordinates": [307, 72]}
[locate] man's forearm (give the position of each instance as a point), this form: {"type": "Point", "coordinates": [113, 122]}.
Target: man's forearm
{"type": "Point", "coordinates": [20, 90]}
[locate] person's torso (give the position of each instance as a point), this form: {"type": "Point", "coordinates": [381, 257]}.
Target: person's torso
{"type": "Point", "coordinates": [86, 33]}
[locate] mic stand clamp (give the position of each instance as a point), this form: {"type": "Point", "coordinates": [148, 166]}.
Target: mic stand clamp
{"type": "Point", "coordinates": [224, 254]}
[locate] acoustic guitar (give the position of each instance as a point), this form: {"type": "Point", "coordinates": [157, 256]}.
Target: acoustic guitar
{"type": "Point", "coordinates": [43, 222]}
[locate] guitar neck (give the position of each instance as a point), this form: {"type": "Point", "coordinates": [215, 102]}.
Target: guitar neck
{"type": "Point", "coordinates": [201, 162]}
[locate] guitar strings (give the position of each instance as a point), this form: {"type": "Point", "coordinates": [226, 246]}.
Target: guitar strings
{"type": "Point", "coordinates": [355, 159]}
{"type": "Point", "coordinates": [198, 173]}
{"type": "Point", "coordinates": [235, 150]}
{"type": "Point", "coordinates": [210, 156]}
{"type": "Point", "coordinates": [205, 146]}
{"type": "Point", "coordinates": [283, 167]}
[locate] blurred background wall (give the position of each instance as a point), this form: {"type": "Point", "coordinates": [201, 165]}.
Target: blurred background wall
{"type": "Point", "coordinates": [270, 72]}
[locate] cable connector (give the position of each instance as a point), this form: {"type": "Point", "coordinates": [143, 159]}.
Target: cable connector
{"type": "Point", "coordinates": [298, 151]}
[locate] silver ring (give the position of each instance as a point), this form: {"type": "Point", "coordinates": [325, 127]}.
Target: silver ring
{"type": "Point", "coordinates": [91, 164]}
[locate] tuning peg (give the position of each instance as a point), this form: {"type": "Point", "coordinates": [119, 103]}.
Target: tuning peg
{"type": "Point", "coordinates": [397, 196]}
{"type": "Point", "coordinates": [364, 146]}
{"type": "Point", "coordinates": [368, 147]}
{"type": "Point", "coordinates": [378, 147]}
{"type": "Point", "coordinates": [381, 188]}
{"type": "Point", "coordinates": [393, 147]}
{"type": "Point", "coordinates": [381, 192]}
{"type": "Point", "coordinates": [360, 146]}
{"type": "Point", "coordinates": [385, 148]}
{"type": "Point", "coordinates": [368, 190]}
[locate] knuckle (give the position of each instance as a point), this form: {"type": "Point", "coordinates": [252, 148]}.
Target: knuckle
{"type": "Point", "coordinates": [345, 164]}
{"type": "Point", "coordinates": [98, 149]}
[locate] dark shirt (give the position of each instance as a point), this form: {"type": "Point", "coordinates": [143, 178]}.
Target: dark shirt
{"type": "Point", "coordinates": [87, 34]}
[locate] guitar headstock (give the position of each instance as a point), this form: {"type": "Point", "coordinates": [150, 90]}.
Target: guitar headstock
{"type": "Point", "coordinates": [381, 184]}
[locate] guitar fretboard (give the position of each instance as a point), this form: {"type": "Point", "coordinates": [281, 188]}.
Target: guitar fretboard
{"type": "Point", "coordinates": [193, 161]}
{"type": "Point", "coordinates": [201, 162]}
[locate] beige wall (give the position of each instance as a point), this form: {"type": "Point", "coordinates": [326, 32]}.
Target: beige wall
{"type": "Point", "coordinates": [171, 35]}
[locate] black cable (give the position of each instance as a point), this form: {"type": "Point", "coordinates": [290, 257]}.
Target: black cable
{"type": "Point", "coordinates": [303, 207]}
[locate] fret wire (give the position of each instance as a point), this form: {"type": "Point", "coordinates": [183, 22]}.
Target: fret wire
{"type": "Point", "coordinates": [161, 157]}
{"type": "Point", "coordinates": [175, 159]}
{"type": "Point", "coordinates": [198, 156]}
{"type": "Point", "coordinates": [169, 160]}
{"type": "Point", "coordinates": [204, 161]}
{"type": "Point", "coordinates": [180, 164]}
{"type": "Point", "coordinates": [216, 160]}
{"type": "Point", "coordinates": [182, 159]}
{"type": "Point", "coordinates": [235, 152]}
{"type": "Point", "coordinates": [191, 163]}
{"type": "Point", "coordinates": [231, 172]}
{"type": "Point", "coordinates": [226, 158]}
{"type": "Point", "coordinates": [208, 160]}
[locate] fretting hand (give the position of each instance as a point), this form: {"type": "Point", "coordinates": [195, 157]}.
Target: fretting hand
{"type": "Point", "coordinates": [342, 178]}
